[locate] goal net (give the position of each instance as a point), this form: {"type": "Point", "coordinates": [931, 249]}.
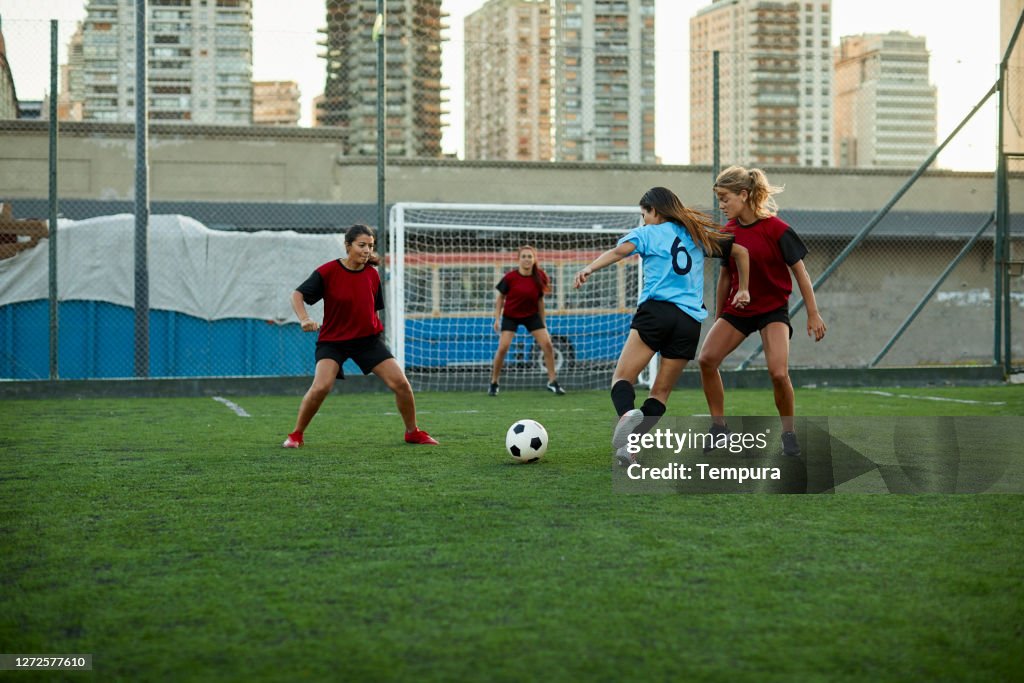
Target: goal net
{"type": "Point", "coordinates": [444, 261]}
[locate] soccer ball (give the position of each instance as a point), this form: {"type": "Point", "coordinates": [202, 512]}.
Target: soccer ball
{"type": "Point", "coordinates": [526, 441]}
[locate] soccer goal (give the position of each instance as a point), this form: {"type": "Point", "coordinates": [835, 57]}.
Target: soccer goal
{"type": "Point", "coordinates": [444, 261]}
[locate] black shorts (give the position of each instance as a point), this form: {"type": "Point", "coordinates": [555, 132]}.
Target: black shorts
{"type": "Point", "coordinates": [530, 322]}
{"type": "Point", "coordinates": [747, 325]}
{"type": "Point", "coordinates": [665, 328]}
{"type": "Point", "coordinates": [367, 352]}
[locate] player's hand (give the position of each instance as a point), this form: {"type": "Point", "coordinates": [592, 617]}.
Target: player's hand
{"type": "Point", "coordinates": [581, 277]}
{"type": "Point", "coordinates": [741, 299]}
{"type": "Point", "coordinates": [310, 325]}
{"type": "Point", "coordinates": [816, 327]}
{"type": "Point", "coordinates": [497, 325]}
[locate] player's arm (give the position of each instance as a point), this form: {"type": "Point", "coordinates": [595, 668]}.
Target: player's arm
{"type": "Point", "coordinates": [606, 259]}
{"type": "Point", "coordinates": [499, 306]}
{"type": "Point", "coordinates": [299, 306]}
{"type": "Point", "coordinates": [742, 258]}
{"type": "Point", "coordinates": [815, 324]}
{"type": "Point", "coordinates": [540, 309]}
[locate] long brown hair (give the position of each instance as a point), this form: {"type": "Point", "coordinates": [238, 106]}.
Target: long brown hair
{"type": "Point", "coordinates": [735, 179]}
{"type": "Point", "coordinates": [705, 232]}
{"type": "Point", "coordinates": [359, 229]}
{"type": "Point", "coordinates": [540, 278]}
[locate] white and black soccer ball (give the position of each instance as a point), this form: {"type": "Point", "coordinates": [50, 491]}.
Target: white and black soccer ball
{"type": "Point", "coordinates": [526, 441]}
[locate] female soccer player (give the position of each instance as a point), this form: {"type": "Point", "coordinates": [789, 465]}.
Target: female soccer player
{"type": "Point", "coordinates": [520, 301]}
{"type": "Point", "coordinates": [673, 242]}
{"type": "Point", "coordinates": [745, 196]}
{"type": "Point", "coordinates": [351, 290]}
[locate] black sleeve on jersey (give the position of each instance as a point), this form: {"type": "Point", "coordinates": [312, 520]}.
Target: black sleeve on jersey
{"type": "Point", "coordinates": [378, 300]}
{"type": "Point", "coordinates": [312, 289]}
{"type": "Point", "coordinates": [502, 285]}
{"type": "Point", "coordinates": [726, 244]}
{"type": "Point", "coordinates": [793, 248]}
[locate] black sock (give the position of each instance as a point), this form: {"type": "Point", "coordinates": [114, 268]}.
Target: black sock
{"type": "Point", "coordinates": [652, 409]}
{"type": "Point", "coordinates": [623, 397]}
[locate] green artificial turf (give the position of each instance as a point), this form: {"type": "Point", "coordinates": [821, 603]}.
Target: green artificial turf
{"type": "Point", "coordinates": [174, 540]}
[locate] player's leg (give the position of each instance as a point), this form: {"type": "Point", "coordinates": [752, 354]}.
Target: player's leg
{"type": "Point", "coordinates": [504, 344]}
{"type": "Point", "coordinates": [720, 341]}
{"type": "Point", "coordinates": [542, 338]}
{"type": "Point", "coordinates": [391, 374]}
{"type": "Point", "coordinates": [634, 357]}
{"type": "Point", "coordinates": [326, 372]}
{"type": "Point", "coordinates": [775, 337]}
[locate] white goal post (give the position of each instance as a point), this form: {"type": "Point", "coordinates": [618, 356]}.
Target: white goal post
{"type": "Point", "coordinates": [444, 261]}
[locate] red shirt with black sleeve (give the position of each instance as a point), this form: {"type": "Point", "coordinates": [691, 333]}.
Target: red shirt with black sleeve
{"type": "Point", "coordinates": [351, 301]}
{"type": "Point", "coordinates": [773, 247]}
{"type": "Point", "coordinates": [522, 295]}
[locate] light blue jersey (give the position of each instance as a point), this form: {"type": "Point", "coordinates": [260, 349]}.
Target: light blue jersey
{"type": "Point", "coordinates": [673, 267]}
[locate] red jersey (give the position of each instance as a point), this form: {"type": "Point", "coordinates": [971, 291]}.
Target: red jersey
{"type": "Point", "coordinates": [773, 247]}
{"type": "Point", "coordinates": [351, 300]}
{"type": "Point", "coordinates": [522, 295]}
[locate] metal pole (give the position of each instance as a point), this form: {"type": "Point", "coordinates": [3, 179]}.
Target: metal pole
{"type": "Point", "coordinates": [380, 36]}
{"type": "Point", "coordinates": [928, 295]}
{"type": "Point", "coordinates": [877, 218]}
{"type": "Point", "coordinates": [141, 196]}
{"type": "Point", "coordinates": [716, 163]}
{"type": "Point", "coordinates": [1002, 246]}
{"type": "Point", "coordinates": [54, 312]}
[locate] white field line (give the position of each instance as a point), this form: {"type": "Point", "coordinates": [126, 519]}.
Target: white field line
{"type": "Point", "coordinates": [921, 398]}
{"type": "Point", "coordinates": [472, 412]}
{"type": "Point", "coordinates": [239, 410]}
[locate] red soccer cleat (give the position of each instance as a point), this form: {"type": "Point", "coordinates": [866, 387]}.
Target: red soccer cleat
{"type": "Point", "coordinates": [294, 440]}
{"type": "Point", "coordinates": [420, 437]}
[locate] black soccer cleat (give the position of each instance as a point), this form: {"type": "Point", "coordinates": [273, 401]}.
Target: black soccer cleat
{"type": "Point", "coordinates": [555, 389]}
{"type": "Point", "coordinates": [790, 446]}
{"type": "Point", "coordinates": [716, 432]}
{"type": "Point", "coordinates": [493, 391]}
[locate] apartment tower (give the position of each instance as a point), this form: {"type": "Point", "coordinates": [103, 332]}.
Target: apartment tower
{"type": "Point", "coordinates": [508, 81]}
{"type": "Point", "coordinates": [604, 81]}
{"type": "Point", "coordinates": [775, 82]}
{"type": "Point", "coordinates": [413, 96]}
{"type": "Point", "coordinates": [199, 65]}
{"type": "Point", "coordinates": [885, 106]}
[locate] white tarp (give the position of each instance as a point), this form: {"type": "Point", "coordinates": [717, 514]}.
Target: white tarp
{"type": "Point", "coordinates": [209, 274]}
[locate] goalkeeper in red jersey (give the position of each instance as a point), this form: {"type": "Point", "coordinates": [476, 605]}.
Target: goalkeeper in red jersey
{"type": "Point", "coordinates": [520, 301]}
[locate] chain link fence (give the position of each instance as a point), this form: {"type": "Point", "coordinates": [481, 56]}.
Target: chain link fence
{"type": "Point", "coordinates": [536, 85]}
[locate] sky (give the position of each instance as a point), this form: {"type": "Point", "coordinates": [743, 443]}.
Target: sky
{"type": "Point", "coordinates": [963, 38]}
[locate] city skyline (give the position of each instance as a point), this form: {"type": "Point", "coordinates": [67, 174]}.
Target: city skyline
{"type": "Point", "coordinates": [964, 59]}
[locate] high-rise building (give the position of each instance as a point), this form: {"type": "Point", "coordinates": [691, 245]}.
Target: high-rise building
{"type": "Point", "coordinates": [72, 73]}
{"type": "Point", "coordinates": [775, 82]}
{"type": "Point", "coordinates": [604, 80]}
{"type": "Point", "coordinates": [413, 92]}
{"type": "Point", "coordinates": [275, 103]}
{"type": "Point", "coordinates": [199, 65]}
{"type": "Point", "coordinates": [8, 95]}
{"type": "Point", "coordinates": [885, 106]}
{"type": "Point", "coordinates": [508, 81]}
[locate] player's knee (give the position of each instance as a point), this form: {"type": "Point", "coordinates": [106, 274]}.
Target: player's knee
{"type": "Point", "coordinates": [401, 387]}
{"type": "Point", "coordinates": [709, 362]}
{"type": "Point", "coordinates": [779, 376]}
{"type": "Point", "coordinates": [320, 390]}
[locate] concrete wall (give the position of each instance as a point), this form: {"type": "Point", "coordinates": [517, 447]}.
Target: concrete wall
{"type": "Point", "coordinates": [259, 164]}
